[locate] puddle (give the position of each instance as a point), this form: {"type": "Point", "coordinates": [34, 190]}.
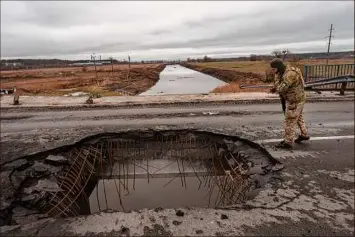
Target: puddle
{"type": "Point", "coordinates": [134, 170]}
{"type": "Point", "coordinates": [175, 79]}
{"type": "Point", "coordinates": [158, 192]}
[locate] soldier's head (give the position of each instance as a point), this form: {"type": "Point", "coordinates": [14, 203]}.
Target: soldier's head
{"type": "Point", "coordinates": [278, 66]}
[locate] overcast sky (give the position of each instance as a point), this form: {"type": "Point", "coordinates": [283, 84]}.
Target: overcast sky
{"type": "Point", "coordinates": [171, 30]}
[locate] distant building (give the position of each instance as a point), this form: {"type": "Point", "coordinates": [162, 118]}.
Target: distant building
{"type": "Point", "coordinates": [14, 64]}
{"type": "Point", "coordinates": [91, 63]}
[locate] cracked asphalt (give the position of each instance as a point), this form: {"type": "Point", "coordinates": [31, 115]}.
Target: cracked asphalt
{"type": "Point", "coordinates": [314, 194]}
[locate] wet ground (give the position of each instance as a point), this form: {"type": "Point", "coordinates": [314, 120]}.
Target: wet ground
{"type": "Point", "coordinates": [314, 196]}
{"type": "Point", "coordinates": [175, 79]}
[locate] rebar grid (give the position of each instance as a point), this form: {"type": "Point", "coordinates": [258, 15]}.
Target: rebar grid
{"type": "Point", "coordinates": [183, 151]}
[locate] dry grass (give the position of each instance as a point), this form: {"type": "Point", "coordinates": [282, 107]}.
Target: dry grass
{"type": "Point", "coordinates": [260, 67]}
{"type": "Point", "coordinates": [60, 81]}
{"type": "Point", "coordinates": [231, 72]}
{"type": "Point", "coordinates": [233, 87]}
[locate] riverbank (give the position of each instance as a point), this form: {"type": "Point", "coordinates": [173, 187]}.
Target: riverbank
{"type": "Point", "coordinates": [105, 80]}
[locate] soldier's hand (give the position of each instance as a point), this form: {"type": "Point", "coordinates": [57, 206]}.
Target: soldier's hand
{"type": "Point", "coordinates": [273, 90]}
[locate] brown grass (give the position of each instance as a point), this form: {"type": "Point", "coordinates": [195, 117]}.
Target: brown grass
{"type": "Point", "coordinates": [260, 67]}
{"type": "Point", "coordinates": [236, 73]}
{"type": "Point", "coordinates": [60, 81]}
{"type": "Point", "coordinates": [233, 87]}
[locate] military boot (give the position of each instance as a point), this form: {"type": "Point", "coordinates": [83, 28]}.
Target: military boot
{"type": "Point", "coordinates": [302, 138]}
{"type": "Point", "coordinates": [284, 145]}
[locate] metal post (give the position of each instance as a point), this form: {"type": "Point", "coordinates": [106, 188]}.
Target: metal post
{"type": "Point", "coordinates": [305, 72]}
{"type": "Point", "coordinates": [343, 88]}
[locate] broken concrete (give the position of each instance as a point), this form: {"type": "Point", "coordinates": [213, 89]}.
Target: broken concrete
{"type": "Point", "coordinates": [33, 178]}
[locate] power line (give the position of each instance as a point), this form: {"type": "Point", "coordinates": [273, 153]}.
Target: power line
{"type": "Point", "coordinates": [330, 40]}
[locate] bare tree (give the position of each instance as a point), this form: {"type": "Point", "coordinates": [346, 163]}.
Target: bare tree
{"type": "Point", "coordinates": [253, 57]}
{"type": "Point", "coordinates": [285, 54]}
{"type": "Point", "coordinates": [276, 53]}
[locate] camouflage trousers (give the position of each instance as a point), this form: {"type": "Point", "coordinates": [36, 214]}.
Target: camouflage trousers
{"type": "Point", "coordinates": [293, 117]}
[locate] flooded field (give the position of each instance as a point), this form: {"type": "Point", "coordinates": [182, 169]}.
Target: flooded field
{"type": "Point", "coordinates": [175, 79]}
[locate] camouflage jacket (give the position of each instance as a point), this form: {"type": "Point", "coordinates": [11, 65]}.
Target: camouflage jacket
{"type": "Point", "coordinates": [291, 85]}
{"type": "Point", "coordinates": [272, 77]}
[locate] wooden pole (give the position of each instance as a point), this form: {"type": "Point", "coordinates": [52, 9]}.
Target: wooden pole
{"type": "Point", "coordinates": [129, 67]}
{"type": "Point", "coordinates": [95, 68]}
{"type": "Point", "coordinates": [112, 67]}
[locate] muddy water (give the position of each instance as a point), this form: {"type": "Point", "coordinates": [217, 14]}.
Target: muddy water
{"type": "Point", "coordinates": [171, 184]}
{"type": "Point", "coordinates": [158, 192]}
{"type": "Point", "coordinates": [175, 79]}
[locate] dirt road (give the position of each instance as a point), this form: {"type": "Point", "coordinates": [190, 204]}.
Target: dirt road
{"type": "Point", "coordinates": [314, 196]}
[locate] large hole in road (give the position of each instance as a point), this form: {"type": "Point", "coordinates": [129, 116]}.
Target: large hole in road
{"type": "Point", "coordinates": [134, 170]}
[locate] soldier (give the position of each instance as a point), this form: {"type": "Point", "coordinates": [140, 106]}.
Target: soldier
{"type": "Point", "coordinates": [289, 84]}
{"type": "Point", "coordinates": [271, 76]}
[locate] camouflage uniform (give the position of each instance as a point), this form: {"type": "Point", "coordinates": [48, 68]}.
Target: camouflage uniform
{"type": "Point", "coordinates": [275, 78]}
{"type": "Point", "coordinates": [291, 87]}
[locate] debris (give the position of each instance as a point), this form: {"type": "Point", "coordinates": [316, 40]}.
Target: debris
{"type": "Point", "coordinates": [48, 185]}
{"type": "Point", "coordinates": [158, 209]}
{"type": "Point", "coordinates": [210, 113]}
{"type": "Point", "coordinates": [177, 222]}
{"type": "Point", "coordinates": [22, 216]}
{"type": "Point", "coordinates": [180, 213]}
{"type": "Point", "coordinates": [16, 99]}
{"type": "Point", "coordinates": [124, 229]}
{"type": "Point", "coordinates": [39, 167]}
{"type": "Point", "coordinates": [90, 100]}
{"type": "Point", "coordinates": [8, 228]}
{"type": "Point", "coordinates": [7, 190]}
{"type": "Point", "coordinates": [256, 170]}
{"type": "Point", "coordinates": [221, 151]}
{"type": "Point", "coordinates": [17, 177]}
{"type": "Point", "coordinates": [224, 217]}
{"type": "Point", "coordinates": [80, 93]}
{"type": "Point", "coordinates": [29, 198]}
{"type": "Point", "coordinates": [57, 159]}
{"type": "Point", "coordinates": [199, 232]}
{"type": "Point", "coordinates": [277, 167]}
{"type": "Point", "coordinates": [15, 164]}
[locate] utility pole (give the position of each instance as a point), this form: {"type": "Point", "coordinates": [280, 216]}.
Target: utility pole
{"type": "Point", "coordinates": [129, 68]}
{"type": "Point", "coordinates": [329, 42]}
{"type": "Point", "coordinates": [112, 66]}
{"type": "Point", "coordinates": [94, 57]}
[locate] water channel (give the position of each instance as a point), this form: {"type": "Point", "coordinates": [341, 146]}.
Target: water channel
{"type": "Point", "coordinates": [176, 79]}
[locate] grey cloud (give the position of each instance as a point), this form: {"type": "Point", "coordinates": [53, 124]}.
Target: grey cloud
{"type": "Point", "coordinates": [43, 28]}
{"type": "Point", "coordinates": [275, 31]}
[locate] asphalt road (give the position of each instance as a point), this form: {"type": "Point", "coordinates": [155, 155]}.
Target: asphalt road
{"type": "Point", "coordinates": [314, 196]}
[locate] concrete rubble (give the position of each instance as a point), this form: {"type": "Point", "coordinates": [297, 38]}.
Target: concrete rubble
{"type": "Point", "coordinates": [29, 180]}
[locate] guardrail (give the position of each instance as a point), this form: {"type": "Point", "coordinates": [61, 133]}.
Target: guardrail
{"type": "Point", "coordinates": [317, 73]}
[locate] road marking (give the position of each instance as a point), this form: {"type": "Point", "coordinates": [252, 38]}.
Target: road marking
{"type": "Point", "coordinates": [312, 139]}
